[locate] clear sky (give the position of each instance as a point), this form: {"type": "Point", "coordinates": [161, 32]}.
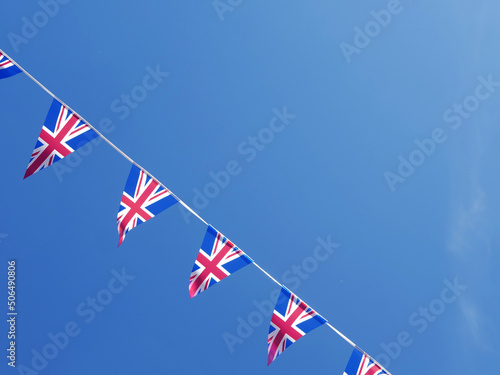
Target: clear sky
{"type": "Point", "coordinates": [391, 156]}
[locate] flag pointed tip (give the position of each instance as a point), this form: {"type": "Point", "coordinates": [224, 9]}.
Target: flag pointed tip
{"type": "Point", "coordinates": [191, 291]}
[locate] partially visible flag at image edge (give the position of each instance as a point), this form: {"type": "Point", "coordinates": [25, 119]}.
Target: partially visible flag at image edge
{"type": "Point", "coordinates": [7, 67]}
{"type": "Point", "coordinates": [361, 364]}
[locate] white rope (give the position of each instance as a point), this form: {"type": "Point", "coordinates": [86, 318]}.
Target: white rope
{"type": "Point", "coordinates": [266, 273]}
{"type": "Point", "coordinates": [159, 182]}
{"type": "Point", "coordinates": [342, 335]}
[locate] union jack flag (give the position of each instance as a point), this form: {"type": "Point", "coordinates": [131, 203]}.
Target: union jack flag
{"type": "Point", "coordinates": [7, 67]}
{"type": "Point", "coordinates": [143, 198]}
{"type": "Point", "coordinates": [217, 259]}
{"type": "Point", "coordinates": [291, 320]}
{"type": "Point", "coordinates": [361, 364]}
{"type": "Point", "coordinates": [61, 135]}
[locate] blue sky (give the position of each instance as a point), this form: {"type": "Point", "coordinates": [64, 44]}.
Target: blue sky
{"type": "Point", "coordinates": [412, 279]}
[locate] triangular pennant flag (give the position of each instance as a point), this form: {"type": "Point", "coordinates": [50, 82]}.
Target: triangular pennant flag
{"type": "Point", "coordinates": [361, 364]}
{"type": "Point", "coordinates": [291, 320]}
{"type": "Point", "coordinates": [7, 67]}
{"type": "Point", "coordinates": [143, 198]}
{"type": "Point", "coordinates": [217, 259]}
{"type": "Point", "coordinates": [62, 133]}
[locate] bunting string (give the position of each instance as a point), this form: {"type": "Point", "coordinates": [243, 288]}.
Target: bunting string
{"type": "Point", "coordinates": [102, 136]}
{"type": "Point", "coordinates": [345, 338]}
{"type": "Point", "coordinates": [267, 274]}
